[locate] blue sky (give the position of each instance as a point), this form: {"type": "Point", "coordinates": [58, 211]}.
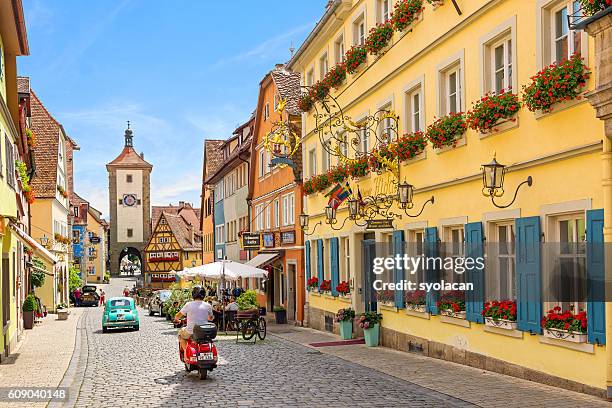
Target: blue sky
{"type": "Point", "coordinates": [180, 71]}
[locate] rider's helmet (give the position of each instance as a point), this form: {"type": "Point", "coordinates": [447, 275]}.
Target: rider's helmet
{"type": "Point", "coordinates": [198, 292]}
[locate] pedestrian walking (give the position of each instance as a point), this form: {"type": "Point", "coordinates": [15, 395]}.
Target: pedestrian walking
{"type": "Point", "coordinates": [77, 297]}
{"type": "Point", "coordinates": [126, 292]}
{"type": "Point", "coordinates": [102, 295]}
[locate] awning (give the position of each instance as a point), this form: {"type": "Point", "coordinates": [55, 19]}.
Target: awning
{"type": "Point", "coordinates": [263, 259]}
{"type": "Point", "coordinates": [33, 244]}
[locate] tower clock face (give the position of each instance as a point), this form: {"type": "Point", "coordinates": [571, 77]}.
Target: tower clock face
{"type": "Point", "coordinates": [129, 200]}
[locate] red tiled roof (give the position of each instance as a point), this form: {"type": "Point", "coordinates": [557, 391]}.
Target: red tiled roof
{"type": "Point", "coordinates": [288, 86]}
{"type": "Point", "coordinates": [182, 231]}
{"type": "Point", "coordinates": [213, 156]}
{"type": "Point", "coordinates": [129, 158]}
{"type": "Point", "coordinates": [185, 210]}
{"type": "Point", "coordinates": [23, 84]}
{"type": "Point", "coordinates": [47, 131]}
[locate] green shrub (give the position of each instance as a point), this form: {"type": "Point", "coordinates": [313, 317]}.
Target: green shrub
{"type": "Point", "coordinates": [29, 304]}
{"type": "Point", "coordinates": [278, 309]}
{"type": "Point", "coordinates": [74, 279]}
{"type": "Point", "coordinates": [248, 300]}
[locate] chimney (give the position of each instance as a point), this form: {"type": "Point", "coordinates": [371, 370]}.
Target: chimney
{"type": "Point", "coordinates": [191, 233]}
{"type": "Point", "coordinates": [142, 155]}
{"type": "Point", "coordinates": [181, 204]}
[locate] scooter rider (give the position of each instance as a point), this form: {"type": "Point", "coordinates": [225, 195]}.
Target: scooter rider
{"type": "Point", "coordinates": [196, 311]}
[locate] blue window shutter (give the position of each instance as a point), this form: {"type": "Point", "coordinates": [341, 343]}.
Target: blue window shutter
{"type": "Point", "coordinates": [596, 287]}
{"type": "Point", "coordinates": [398, 249]}
{"type": "Point", "coordinates": [431, 250]}
{"type": "Point", "coordinates": [320, 261]}
{"type": "Point", "coordinates": [335, 273]}
{"type": "Point", "coordinates": [307, 260]}
{"type": "Point", "coordinates": [528, 274]}
{"type": "Point", "coordinates": [474, 299]}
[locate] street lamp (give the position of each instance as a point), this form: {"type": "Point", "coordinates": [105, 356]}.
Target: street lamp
{"type": "Point", "coordinates": [330, 214]}
{"type": "Point", "coordinates": [493, 175]}
{"type": "Point", "coordinates": [304, 224]}
{"type": "Point", "coordinates": [353, 206]}
{"type": "Point", "coordinates": [405, 192]}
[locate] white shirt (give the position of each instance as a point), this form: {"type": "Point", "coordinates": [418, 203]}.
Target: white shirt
{"type": "Point", "coordinates": [197, 312]}
{"type": "Point", "coordinates": [232, 307]}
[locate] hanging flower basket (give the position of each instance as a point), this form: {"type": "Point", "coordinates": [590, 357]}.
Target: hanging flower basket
{"type": "Point", "coordinates": [491, 110]}
{"type": "Point", "coordinates": [379, 37]}
{"type": "Point", "coordinates": [556, 83]}
{"type": "Point", "coordinates": [354, 57]}
{"type": "Point", "coordinates": [405, 12]}
{"type": "Point", "coordinates": [408, 146]}
{"type": "Point", "coordinates": [305, 103]}
{"type": "Point", "coordinates": [336, 76]}
{"type": "Point", "coordinates": [565, 325]}
{"type": "Point", "coordinates": [447, 131]}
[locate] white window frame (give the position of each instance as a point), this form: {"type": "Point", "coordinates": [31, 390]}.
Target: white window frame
{"type": "Point", "coordinates": [262, 164]}
{"type": "Point", "coordinates": [383, 10]}
{"type": "Point", "coordinates": [386, 124]}
{"type": "Point", "coordinates": [276, 213]}
{"type": "Point", "coordinates": [413, 122]}
{"type": "Point", "coordinates": [502, 34]}
{"type": "Point", "coordinates": [452, 65]}
{"type": "Point", "coordinates": [359, 29]}
{"type": "Point", "coordinates": [310, 77]}
{"type": "Point", "coordinates": [323, 65]}
{"type": "Point", "coordinates": [326, 157]}
{"type": "Point", "coordinates": [288, 209]}
{"type": "Point", "coordinates": [339, 49]}
{"type": "Point", "coordinates": [312, 162]}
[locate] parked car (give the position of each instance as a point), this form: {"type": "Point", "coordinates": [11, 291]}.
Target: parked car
{"type": "Point", "coordinates": [89, 296]}
{"type": "Point", "coordinates": [156, 303]}
{"type": "Point", "coordinates": [120, 312]}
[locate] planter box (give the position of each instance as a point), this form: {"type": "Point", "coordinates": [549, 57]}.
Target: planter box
{"type": "Point", "coordinates": [281, 317]}
{"type": "Point", "coordinates": [28, 320]}
{"type": "Point", "coordinates": [450, 313]}
{"type": "Point", "coordinates": [346, 330]}
{"type": "Point", "coordinates": [573, 337]}
{"type": "Point", "coordinates": [372, 335]}
{"type": "Point", "coordinates": [416, 308]}
{"type": "Point", "coordinates": [62, 314]}
{"type": "Point", "coordinates": [500, 323]}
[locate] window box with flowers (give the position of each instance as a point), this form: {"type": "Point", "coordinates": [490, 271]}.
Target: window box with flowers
{"type": "Point", "coordinates": [590, 7]}
{"type": "Point", "coordinates": [379, 38]}
{"type": "Point", "coordinates": [408, 146]}
{"type": "Point", "coordinates": [355, 58]}
{"type": "Point", "coordinates": [386, 297]}
{"type": "Point", "coordinates": [494, 113]}
{"type": "Point", "coordinates": [565, 325]}
{"type": "Point", "coordinates": [24, 178]}
{"type": "Point", "coordinates": [447, 132]}
{"type": "Point", "coordinates": [344, 290]}
{"type": "Point", "coordinates": [358, 168]}
{"type": "Point", "coordinates": [452, 304]}
{"type": "Point", "coordinates": [325, 287]}
{"type": "Point", "coordinates": [313, 284]}
{"type": "Point", "coordinates": [338, 174]}
{"type": "Point", "coordinates": [415, 301]}
{"type": "Point", "coordinates": [31, 137]}
{"type": "Point", "coordinates": [500, 314]}
{"type": "Point", "coordinates": [557, 83]}
{"type": "Point", "coordinates": [405, 12]}
{"type": "Point", "coordinates": [336, 76]}
{"type": "Point", "coordinates": [319, 90]}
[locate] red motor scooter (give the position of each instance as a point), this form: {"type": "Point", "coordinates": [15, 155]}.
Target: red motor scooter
{"type": "Point", "coordinates": [201, 351]}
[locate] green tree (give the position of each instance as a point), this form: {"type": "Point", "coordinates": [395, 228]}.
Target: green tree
{"type": "Point", "coordinates": [74, 279]}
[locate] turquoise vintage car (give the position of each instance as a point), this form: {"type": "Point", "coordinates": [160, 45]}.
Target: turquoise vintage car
{"type": "Point", "coordinates": [120, 312]}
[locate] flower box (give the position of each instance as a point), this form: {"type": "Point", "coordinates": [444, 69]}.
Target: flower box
{"type": "Point", "coordinates": [62, 314]}
{"type": "Point", "coordinates": [355, 59]}
{"type": "Point", "coordinates": [571, 336]}
{"type": "Point", "coordinates": [500, 323]}
{"type": "Point", "coordinates": [447, 131]}
{"type": "Point", "coordinates": [379, 38]}
{"type": "Point", "coordinates": [416, 308]}
{"type": "Point", "coordinates": [451, 313]}
{"type": "Point", "coordinates": [492, 110]}
{"type": "Point", "coordinates": [405, 12]}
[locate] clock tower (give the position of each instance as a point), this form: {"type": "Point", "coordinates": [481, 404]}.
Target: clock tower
{"type": "Point", "coordinates": [129, 188]}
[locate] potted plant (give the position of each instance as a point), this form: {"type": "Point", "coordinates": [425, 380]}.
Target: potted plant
{"type": "Point", "coordinates": [446, 131]}
{"type": "Point", "coordinates": [370, 323]}
{"type": "Point", "coordinates": [565, 325]}
{"type": "Point", "coordinates": [452, 304]}
{"type": "Point", "coordinates": [29, 308]}
{"type": "Point", "coordinates": [280, 313]}
{"type": "Point", "coordinates": [62, 311]}
{"type": "Point", "coordinates": [415, 300]}
{"type": "Point", "coordinates": [557, 82]}
{"type": "Point", "coordinates": [247, 304]}
{"type": "Point", "coordinates": [343, 288]}
{"type": "Point", "coordinates": [500, 314]}
{"type": "Point", "coordinates": [345, 318]}
{"type": "Point", "coordinates": [305, 103]}
{"type": "Point", "coordinates": [325, 286]}
{"type": "Point", "coordinates": [590, 7]}
{"type": "Point", "coordinates": [492, 110]}
{"type": "Point", "coordinates": [405, 12]}
{"type": "Point", "coordinates": [313, 283]}
{"type": "Point", "coordinates": [386, 297]}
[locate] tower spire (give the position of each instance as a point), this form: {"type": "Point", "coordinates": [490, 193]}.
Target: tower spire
{"type": "Point", "coordinates": [128, 136]}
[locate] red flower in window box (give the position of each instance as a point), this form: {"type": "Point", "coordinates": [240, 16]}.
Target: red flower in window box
{"type": "Point", "coordinates": [557, 82]}
{"type": "Point", "coordinates": [405, 12]}
{"type": "Point", "coordinates": [305, 103]}
{"type": "Point", "coordinates": [354, 57]}
{"type": "Point", "coordinates": [336, 76]}
{"type": "Point", "coordinates": [312, 283]}
{"type": "Point", "coordinates": [565, 320]}
{"type": "Point", "coordinates": [408, 146]}
{"type": "Point", "coordinates": [446, 131]}
{"type": "Point", "coordinates": [590, 7]}
{"type": "Point", "coordinates": [325, 286]}
{"type": "Point", "coordinates": [491, 110]}
{"type": "Point", "coordinates": [343, 288]}
{"type": "Point", "coordinates": [379, 37]}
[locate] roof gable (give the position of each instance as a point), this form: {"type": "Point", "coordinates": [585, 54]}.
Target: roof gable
{"type": "Point", "coordinates": [47, 132]}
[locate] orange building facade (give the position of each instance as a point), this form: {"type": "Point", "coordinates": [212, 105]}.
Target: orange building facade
{"type": "Point", "coordinates": [275, 193]}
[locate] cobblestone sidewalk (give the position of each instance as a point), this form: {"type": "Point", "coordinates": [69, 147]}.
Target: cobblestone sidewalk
{"type": "Point", "coordinates": [479, 387]}
{"type": "Point", "coordinates": [42, 358]}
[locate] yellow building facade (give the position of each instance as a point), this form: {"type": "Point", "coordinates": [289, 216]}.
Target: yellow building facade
{"type": "Point", "coordinates": [445, 60]}
{"type": "Point", "coordinates": [95, 249]}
